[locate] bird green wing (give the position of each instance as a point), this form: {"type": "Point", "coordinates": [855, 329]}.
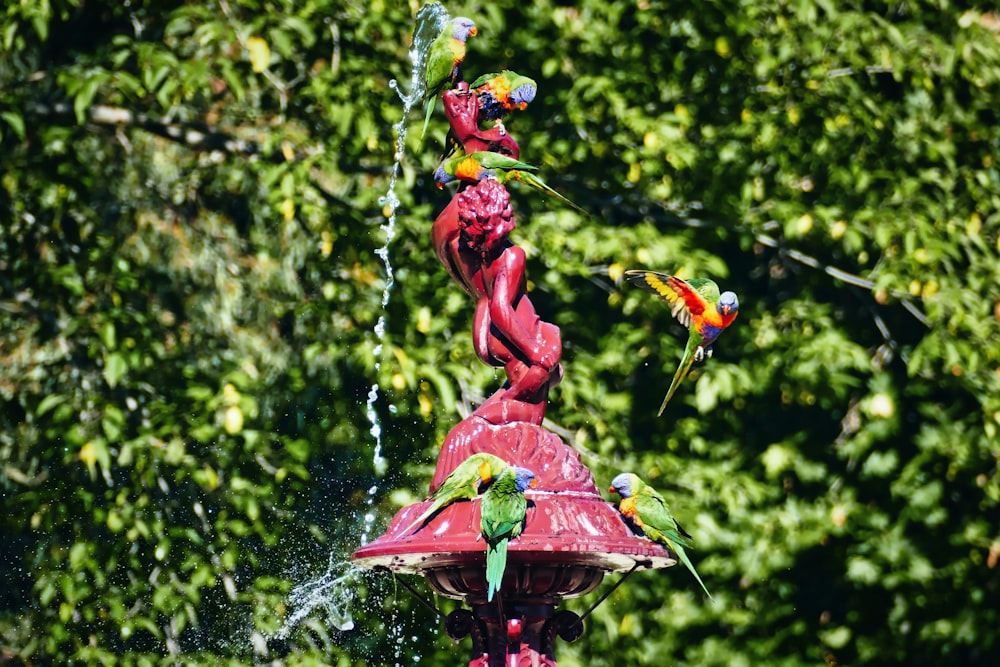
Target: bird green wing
{"type": "Point", "coordinates": [440, 65]}
{"type": "Point", "coordinates": [502, 509]}
{"type": "Point", "coordinates": [492, 160]}
{"type": "Point", "coordinates": [440, 62]}
{"type": "Point", "coordinates": [707, 289]}
{"type": "Point", "coordinates": [684, 296]}
{"type": "Point", "coordinates": [483, 79]}
{"type": "Point", "coordinates": [657, 522]}
{"type": "Point", "coordinates": [659, 525]}
{"type": "Point", "coordinates": [463, 483]}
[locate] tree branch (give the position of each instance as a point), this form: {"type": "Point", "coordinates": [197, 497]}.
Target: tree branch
{"type": "Point", "coordinates": [840, 274]}
{"type": "Point", "coordinates": [196, 138]}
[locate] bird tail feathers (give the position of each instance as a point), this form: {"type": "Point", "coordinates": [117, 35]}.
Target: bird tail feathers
{"type": "Point", "coordinates": [496, 563]}
{"type": "Point", "coordinates": [421, 520]}
{"type": "Point", "coordinates": [687, 563]}
{"type": "Point", "coordinates": [682, 371]}
{"type": "Point", "coordinates": [427, 115]}
{"type": "Point", "coordinates": [539, 185]}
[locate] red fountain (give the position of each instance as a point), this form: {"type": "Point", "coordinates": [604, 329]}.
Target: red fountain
{"type": "Point", "coordinates": [572, 537]}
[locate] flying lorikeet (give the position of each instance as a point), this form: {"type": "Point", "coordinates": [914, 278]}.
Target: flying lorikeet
{"type": "Point", "coordinates": [500, 93]}
{"type": "Point", "coordinates": [474, 167]}
{"type": "Point", "coordinates": [503, 509]}
{"type": "Point", "coordinates": [646, 510]}
{"type": "Point", "coordinates": [444, 57]}
{"type": "Point", "coordinates": [469, 478]}
{"type": "Point", "coordinates": [697, 305]}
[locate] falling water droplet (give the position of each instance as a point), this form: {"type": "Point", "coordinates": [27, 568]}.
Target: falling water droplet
{"type": "Point", "coordinates": [332, 593]}
{"type": "Point", "coordinates": [430, 20]}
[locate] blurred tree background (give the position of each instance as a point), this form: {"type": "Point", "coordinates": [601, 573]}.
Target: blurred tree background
{"type": "Point", "coordinates": [190, 206]}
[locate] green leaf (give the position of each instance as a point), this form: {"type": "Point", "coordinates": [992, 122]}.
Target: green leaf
{"type": "Point", "coordinates": [10, 32]}
{"type": "Point", "coordinates": [862, 570]}
{"type": "Point", "coordinates": [836, 638]}
{"type": "Point", "coordinates": [113, 422]}
{"type": "Point", "coordinates": [41, 25]}
{"type": "Point", "coordinates": [115, 368]}
{"type": "Point", "coordinates": [50, 401]}
{"type": "Point", "coordinates": [108, 336]}
{"type": "Point", "coordinates": [16, 123]}
{"type": "Point", "coordinates": [777, 459]}
{"type": "Point", "coordinates": [84, 97]}
{"type": "Point", "coordinates": [880, 464]}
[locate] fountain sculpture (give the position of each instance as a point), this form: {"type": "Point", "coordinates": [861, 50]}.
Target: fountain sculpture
{"type": "Point", "coordinates": [572, 537]}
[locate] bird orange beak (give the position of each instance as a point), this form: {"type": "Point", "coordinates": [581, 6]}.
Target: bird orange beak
{"type": "Point", "coordinates": [473, 31]}
{"type": "Point", "coordinates": [612, 489]}
{"type": "Point", "coordinates": [534, 483]}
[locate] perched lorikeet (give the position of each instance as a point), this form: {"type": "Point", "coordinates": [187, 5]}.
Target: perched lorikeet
{"type": "Point", "coordinates": [500, 93]}
{"type": "Point", "coordinates": [469, 478]}
{"type": "Point", "coordinates": [503, 509]}
{"type": "Point", "coordinates": [697, 305]}
{"type": "Point", "coordinates": [647, 512]}
{"type": "Point", "coordinates": [497, 94]}
{"type": "Point", "coordinates": [474, 167]}
{"type": "Point", "coordinates": [444, 57]}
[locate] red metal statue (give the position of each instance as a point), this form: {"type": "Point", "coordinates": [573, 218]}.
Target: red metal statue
{"type": "Point", "coordinates": [572, 537]}
{"type": "Point", "coordinates": [471, 239]}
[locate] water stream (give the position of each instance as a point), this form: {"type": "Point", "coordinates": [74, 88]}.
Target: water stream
{"type": "Point", "coordinates": [331, 593]}
{"type": "Point", "coordinates": [430, 20]}
{"type": "Point", "coordinates": [334, 591]}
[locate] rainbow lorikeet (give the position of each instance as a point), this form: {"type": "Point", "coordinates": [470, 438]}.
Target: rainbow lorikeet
{"type": "Point", "coordinates": [474, 167]}
{"type": "Point", "coordinates": [445, 55]}
{"type": "Point", "coordinates": [500, 93]}
{"type": "Point", "coordinates": [463, 483]}
{"type": "Point", "coordinates": [697, 305]}
{"type": "Point", "coordinates": [503, 509]}
{"type": "Point", "coordinates": [497, 94]}
{"type": "Point", "coordinates": [647, 512]}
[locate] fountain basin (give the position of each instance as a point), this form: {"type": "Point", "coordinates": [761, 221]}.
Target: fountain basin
{"type": "Point", "coordinates": [570, 541]}
{"type": "Point", "coordinates": [572, 537]}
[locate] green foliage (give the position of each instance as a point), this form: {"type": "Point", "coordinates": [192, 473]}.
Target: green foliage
{"type": "Point", "coordinates": [191, 197]}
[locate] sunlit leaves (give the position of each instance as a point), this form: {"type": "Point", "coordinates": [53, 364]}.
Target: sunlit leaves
{"type": "Point", "coordinates": [187, 332]}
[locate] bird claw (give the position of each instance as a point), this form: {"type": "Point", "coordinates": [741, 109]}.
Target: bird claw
{"type": "Point", "coordinates": [702, 353]}
{"type": "Point", "coordinates": [499, 126]}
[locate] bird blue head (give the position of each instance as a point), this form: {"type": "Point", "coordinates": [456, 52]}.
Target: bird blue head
{"type": "Point", "coordinates": [462, 28]}
{"type": "Point", "coordinates": [442, 177]}
{"type": "Point", "coordinates": [622, 485]}
{"type": "Point", "coordinates": [524, 479]}
{"type": "Point", "coordinates": [523, 95]}
{"type": "Point", "coordinates": [728, 304]}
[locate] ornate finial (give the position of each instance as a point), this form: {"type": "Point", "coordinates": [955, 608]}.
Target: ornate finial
{"type": "Point", "coordinates": [485, 216]}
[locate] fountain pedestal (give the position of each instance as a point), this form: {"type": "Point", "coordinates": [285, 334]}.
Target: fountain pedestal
{"type": "Point", "coordinates": [572, 537]}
